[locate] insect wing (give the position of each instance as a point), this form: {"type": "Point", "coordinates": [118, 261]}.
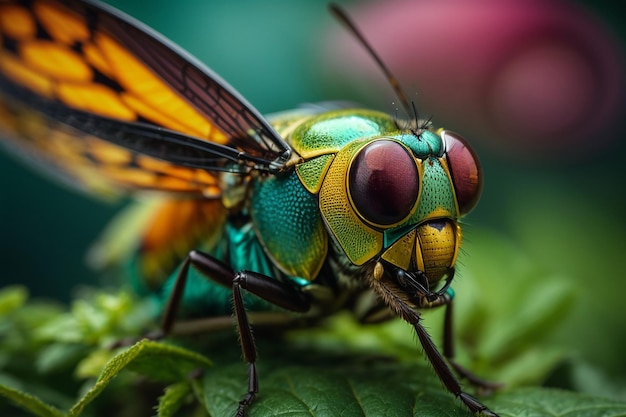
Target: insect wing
{"type": "Point", "coordinates": [100, 98]}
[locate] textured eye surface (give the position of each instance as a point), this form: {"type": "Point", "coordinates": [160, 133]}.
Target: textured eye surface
{"type": "Point", "coordinates": [467, 175]}
{"type": "Point", "coordinates": [384, 182]}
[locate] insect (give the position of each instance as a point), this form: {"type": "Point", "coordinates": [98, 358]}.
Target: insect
{"type": "Point", "coordinates": [305, 213]}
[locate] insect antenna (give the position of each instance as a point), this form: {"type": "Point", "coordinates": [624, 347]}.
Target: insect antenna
{"type": "Point", "coordinates": [416, 115]}
{"type": "Point", "coordinates": [409, 107]}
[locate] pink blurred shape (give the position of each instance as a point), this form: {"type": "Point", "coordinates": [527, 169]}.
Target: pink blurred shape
{"type": "Point", "coordinates": [530, 76]}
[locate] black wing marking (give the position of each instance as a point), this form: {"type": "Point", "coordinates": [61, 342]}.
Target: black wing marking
{"type": "Point", "coordinates": [202, 88]}
{"type": "Point", "coordinates": [249, 142]}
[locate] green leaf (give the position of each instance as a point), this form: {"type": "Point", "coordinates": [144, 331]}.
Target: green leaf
{"type": "Point", "coordinates": [157, 360]}
{"type": "Point", "coordinates": [29, 402]}
{"type": "Point", "coordinates": [99, 318]}
{"type": "Point", "coordinates": [338, 369]}
{"type": "Point", "coordinates": [11, 298]}
{"type": "Point", "coordinates": [173, 398]}
{"type": "Point", "coordinates": [540, 402]}
{"type": "Point", "coordinates": [595, 381]}
{"type": "Point", "coordinates": [59, 356]}
{"type": "Point", "coordinates": [313, 383]}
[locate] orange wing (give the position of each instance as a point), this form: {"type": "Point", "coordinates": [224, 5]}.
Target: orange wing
{"type": "Point", "coordinates": [103, 101]}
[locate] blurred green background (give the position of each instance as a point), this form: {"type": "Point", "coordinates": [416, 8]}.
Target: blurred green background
{"type": "Point", "coordinates": [564, 214]}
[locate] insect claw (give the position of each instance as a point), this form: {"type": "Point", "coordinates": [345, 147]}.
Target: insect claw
{"type": "Point", "coordinates": [476, 406]}
{"type": "Point", "coordinates": [244, 403]}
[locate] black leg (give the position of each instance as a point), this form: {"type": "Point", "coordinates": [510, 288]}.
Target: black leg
{"type": "Point", "coordinates": [483, 385]}
{"type": "Point", "coordinates": [448, 331]}
{"type": "Point", "coordinates": [263, 286]}
{"type": "Point", "coordinates": [392, 296]}
{"type": "Point", "coordinates": [441, 297]}
{"type": "Point", "coordinates": [209, 267]}
{"type": "Point", "coordinates": [445, 375]}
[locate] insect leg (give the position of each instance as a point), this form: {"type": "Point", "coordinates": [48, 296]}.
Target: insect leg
{"type": "Point", "coordinates": [437, 360]}
{"type": "Point", "coordinates": [448, 351]}
{"type": "Point", "coordinates": [445, 374]}
{"type": "Point", "coordinates": [265, 287]}
{"type": "Point", "coordinates": [272, 291]}
{"type": "Point", "coordinates": [209, 266]}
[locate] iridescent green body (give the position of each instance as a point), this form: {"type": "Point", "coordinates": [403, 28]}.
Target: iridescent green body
{"type": "Point", "coordinates": [300, 226]}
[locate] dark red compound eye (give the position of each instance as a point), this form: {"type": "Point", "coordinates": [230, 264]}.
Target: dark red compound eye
{"type": "Point", "coordinates": [384, 182]}
{"type": "Point", "coordinates": [467, 175]}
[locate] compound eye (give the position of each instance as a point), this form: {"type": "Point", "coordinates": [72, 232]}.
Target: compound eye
{"type": "Point", "coordinates": [467, 175]}
{"type": "Point", "coordinates": [383, 182]}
